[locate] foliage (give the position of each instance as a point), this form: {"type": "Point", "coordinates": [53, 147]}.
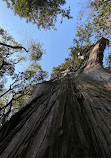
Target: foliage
{"type": "Point", "coordinates": [41, 12]}
{"type": "Point", "coordinates": [101, 21]}
{"type": "Point", "coordinates": [98, 24]}
{"type": "Point", "coordinates": [78, 52]}
{"type": "Point", "coordinates": [82, 42]}
{"type": "Point", "coordinates": [101, 17]}
{"type": "Point", "coordinates": [44, 14]}
{"type": "Point", "coordinates": [7, 64]}
{"type": "Point", "coordinates": [60, 69]}
{"type": "Point", "coordinates": [12, 99]}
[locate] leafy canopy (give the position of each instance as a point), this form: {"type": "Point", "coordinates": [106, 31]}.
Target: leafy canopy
{"type": "Point", "coordinates": [101, 17]}
{"type": "Point", "coordinates": [41, 12]}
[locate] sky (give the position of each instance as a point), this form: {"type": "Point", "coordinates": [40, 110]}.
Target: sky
{"type": "Point", "coordinates": [55, 43]}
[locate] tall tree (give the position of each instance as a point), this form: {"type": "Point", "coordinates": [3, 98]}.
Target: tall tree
{"type": "Point", "coordinates": [66, 117]}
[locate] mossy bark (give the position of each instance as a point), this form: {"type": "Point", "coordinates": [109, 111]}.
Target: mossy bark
{"type": "Point", "coordinates": [66, 118]}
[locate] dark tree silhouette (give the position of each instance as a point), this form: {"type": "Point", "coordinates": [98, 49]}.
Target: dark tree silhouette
{"type": "Point", "coordinates": [68, 117]}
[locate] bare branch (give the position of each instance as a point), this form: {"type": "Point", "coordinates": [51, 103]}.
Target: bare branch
{"type": "Point", "coordinates": [14, 47]}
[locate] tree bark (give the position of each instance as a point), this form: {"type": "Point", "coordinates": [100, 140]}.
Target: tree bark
{"type": "Point", "coordinates": [65, 118]}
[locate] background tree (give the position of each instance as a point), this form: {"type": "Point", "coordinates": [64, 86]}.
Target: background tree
{"type": "Point", "coordinates": [82, 43]}
{"type": "Point", "coordinates": [101, 17]}
{"type": "Point", "coordinates": [95, 26]}
{"type": "Point", "coordinates": [22, 83]}
{"type": "Point", "coordinates": [101, 20]}
{"type": "Point", "coordinates": [41, 12]}
{"type": "Point", "coordinates": [7, 65]}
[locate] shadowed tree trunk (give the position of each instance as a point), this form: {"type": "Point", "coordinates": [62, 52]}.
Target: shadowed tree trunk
{"type": "Point", "coordinates": [66, 118]}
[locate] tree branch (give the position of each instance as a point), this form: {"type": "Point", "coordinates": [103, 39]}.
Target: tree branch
{"type": "Point", "coordinates": [1, 108]}
{"type": "Point", "coordinates": [5, 92]}
{"type": "Point", "coordinates": [96, 54]}
{"type": "Point", "coordinates": [14, 47]}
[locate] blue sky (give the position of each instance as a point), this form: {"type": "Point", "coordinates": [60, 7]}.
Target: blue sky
{"type": "Point", "coordinates": [55, 43]}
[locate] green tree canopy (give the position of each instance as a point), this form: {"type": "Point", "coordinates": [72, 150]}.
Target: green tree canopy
{"type": "Point", "coordinates": [101, 17]}
{"type": "Point", "coordinates": [41, 12]}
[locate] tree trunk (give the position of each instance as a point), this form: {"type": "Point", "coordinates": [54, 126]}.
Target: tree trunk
{"type": "Point", "coordinates": [65, 118]}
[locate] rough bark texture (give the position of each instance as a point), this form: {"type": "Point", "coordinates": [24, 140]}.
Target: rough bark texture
{"type": "Point", "coordinates": [67, 118]}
